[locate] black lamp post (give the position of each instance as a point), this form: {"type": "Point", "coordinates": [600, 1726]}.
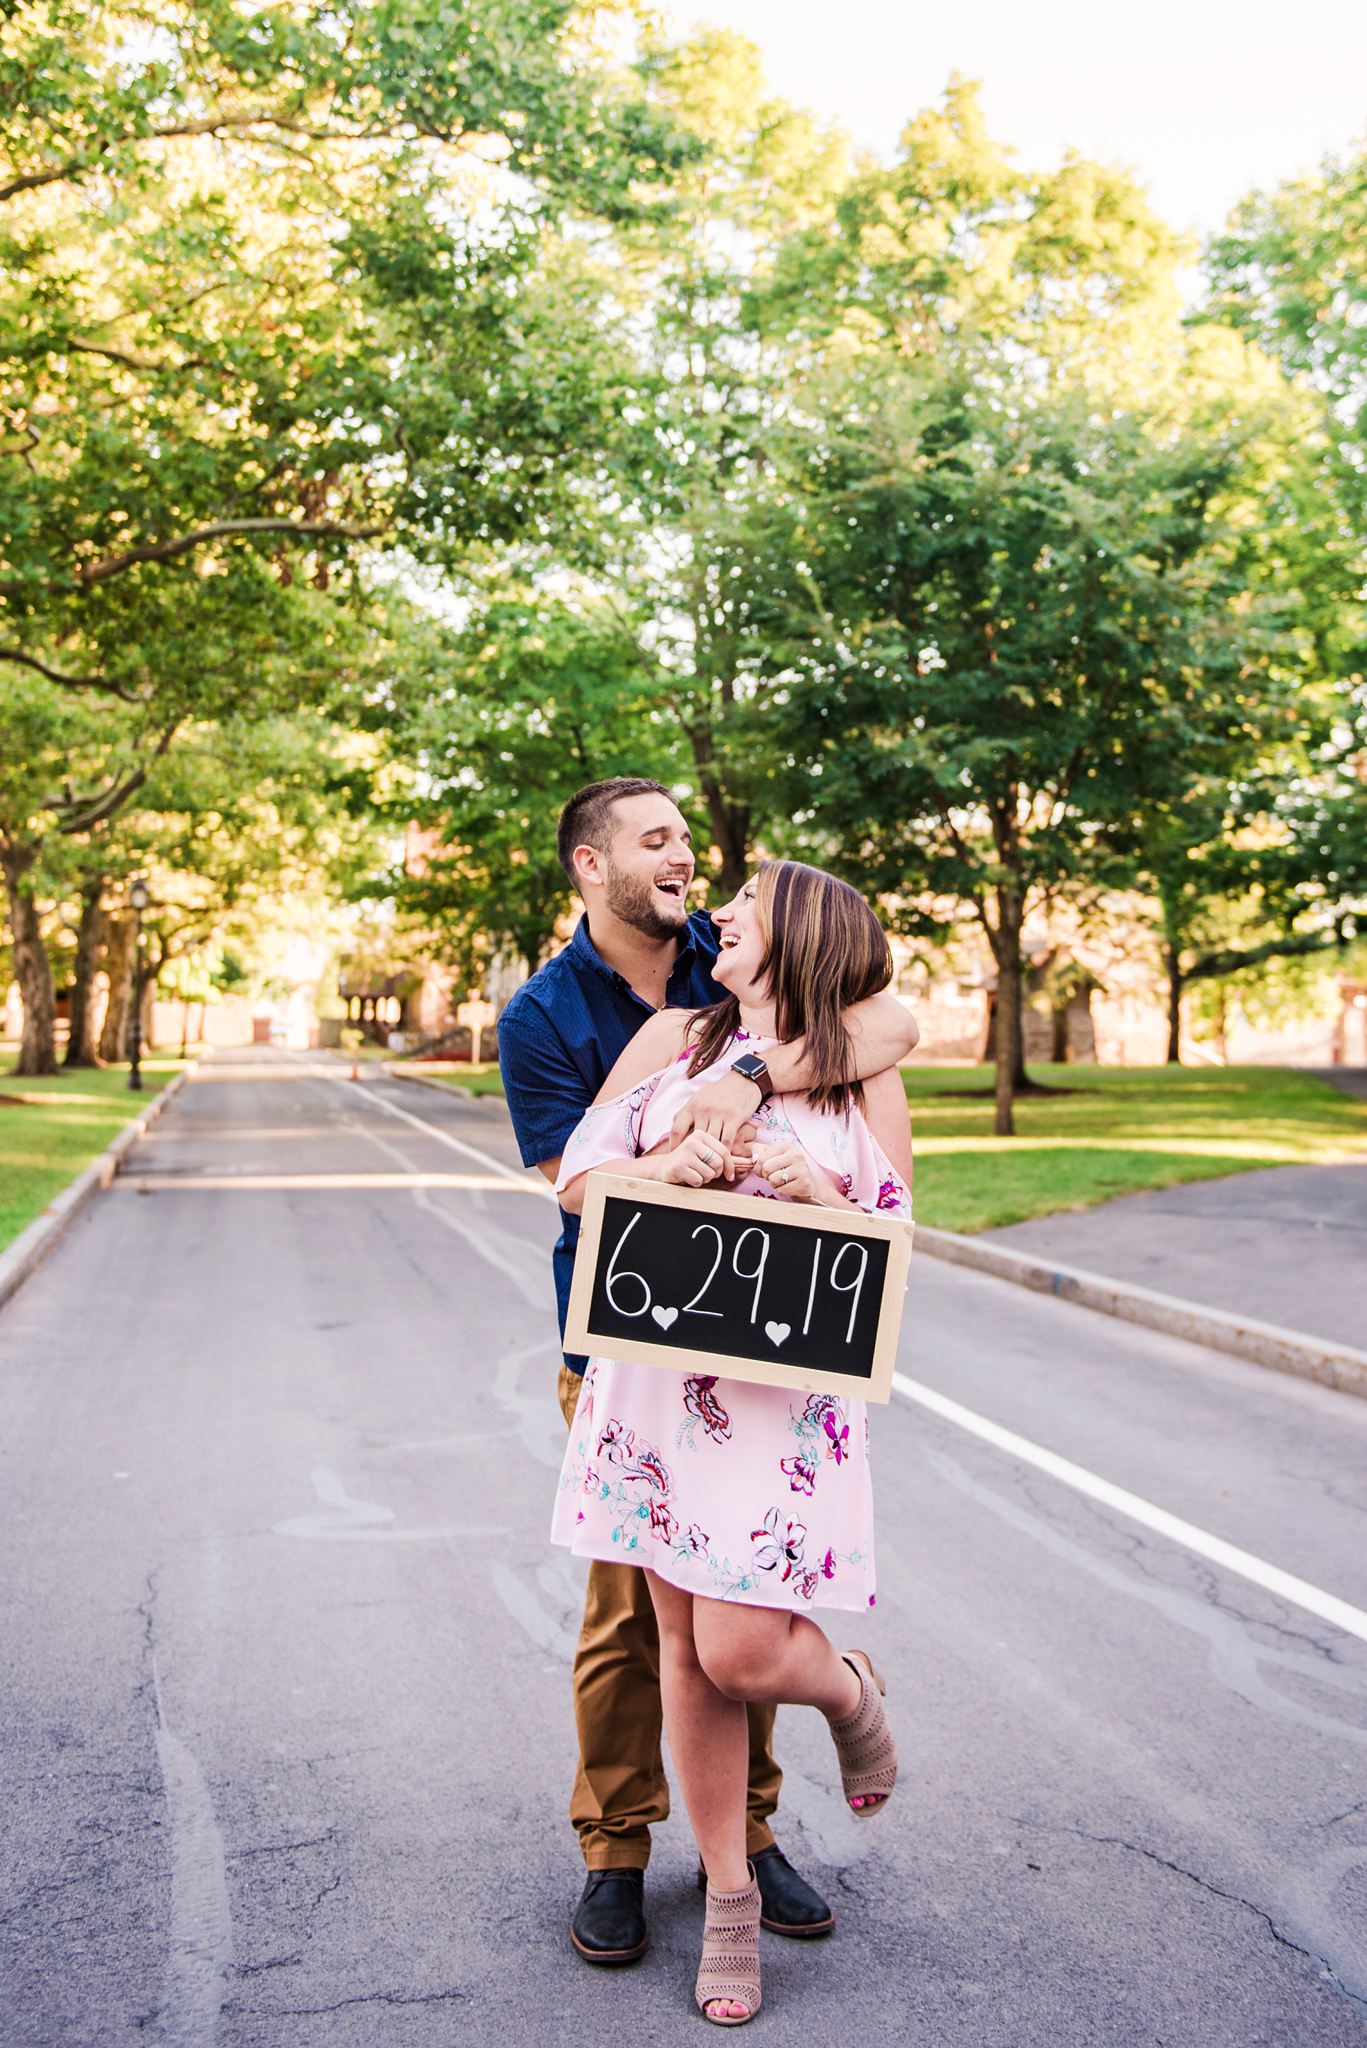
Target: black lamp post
{"type": "Point", "coordinates": [139, 896]}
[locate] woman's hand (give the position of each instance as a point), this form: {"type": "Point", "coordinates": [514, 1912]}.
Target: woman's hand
{"type": "Point", "coordinates": [696, 1163]}
{"type": "Point", "coordinates": [699, 1160]}
{"type": "Point", "coordinates": [789, 1171]}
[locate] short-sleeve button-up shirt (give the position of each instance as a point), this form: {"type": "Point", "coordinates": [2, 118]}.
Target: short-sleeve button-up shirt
{"type": "Point", "coordinates": [559, 1039]}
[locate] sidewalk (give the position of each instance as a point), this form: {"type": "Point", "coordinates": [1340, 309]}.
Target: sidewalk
{"type": "Point", "coordinates": [1288, 1245]}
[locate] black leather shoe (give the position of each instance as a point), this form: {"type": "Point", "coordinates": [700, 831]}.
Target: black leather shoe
{"type": "Point", "coordinates": [610, 1923]}
{"type": "Point", "coordinates": [787, 1903]}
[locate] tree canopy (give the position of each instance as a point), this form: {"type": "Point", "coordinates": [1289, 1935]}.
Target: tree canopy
{"type": "Point", "coordinates": [434, 375]}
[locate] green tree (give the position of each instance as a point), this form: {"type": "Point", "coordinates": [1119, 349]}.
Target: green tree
{"type": "Point", "coordinates": [777, 275]}
{"type": "Point", "coordinates": [1290, 272]}
{"type": "Point", "coordinates": [737, 315]}
{"type": "Point", "coordinates": [271, 290]}
{"type": "Point", "coordinates": [691, 396]}
{"type": "Point", "coordinates": [67, 763]}
{"type": "Point", "coordinates": [488, 731]}
{"type": "Point", "coordinates": [1016, 635]}
{"type": "Point", "coordinates": [240, 814]}
{"type": "Point", "coordinates": [692, 460]}
{"type": "Point", "coordinates": [1253, 871]}
{"type": "Point", "coordinates": [952, 251]}
{"type": "Point", "coordinates": [1000, 393]}
{"type": "Point", "coordinates": [260, 294]}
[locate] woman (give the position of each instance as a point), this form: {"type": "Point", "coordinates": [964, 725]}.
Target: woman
{"type": "Point", "coordinates": [747, 1506]}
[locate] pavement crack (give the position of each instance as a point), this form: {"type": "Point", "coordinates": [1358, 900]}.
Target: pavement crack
{"type": "Point", "coordinates": [326, 1893]}
{"type": "Point", "coordinates": [1347, 1814]}
{"type": "Point", "coordinates": [1204, 1884]}
{"type": "Point", "coordinates": [284, 1848]}
{"type": "Point", "coordinates": [147, 1608]}
{"type": "Point", "coordinates": [135, 1780]}
{"type": "Point", "coordinates": [394, 1999]}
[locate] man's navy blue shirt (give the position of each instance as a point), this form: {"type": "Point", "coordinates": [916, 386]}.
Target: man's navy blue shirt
{"type": "Point", "coordinates": [561, 1036]}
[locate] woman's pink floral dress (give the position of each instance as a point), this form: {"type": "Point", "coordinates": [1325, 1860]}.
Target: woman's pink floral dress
{"type": "Point", "coordinates": [734, 1491]}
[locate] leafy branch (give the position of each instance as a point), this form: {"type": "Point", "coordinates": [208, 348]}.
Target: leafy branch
{"type": "Point", "coordinates": [99, 808]}
{"type": "Point", "coordinates": [70, 682]}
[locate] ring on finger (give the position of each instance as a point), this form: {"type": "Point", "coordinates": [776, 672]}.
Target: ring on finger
{"type": "Point", "coordinates": [707, 1155]}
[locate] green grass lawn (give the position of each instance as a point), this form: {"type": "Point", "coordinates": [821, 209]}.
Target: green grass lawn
{"type": "Point", "coordinates": [58, 1128]}
{"type": "Point", "coordinates": [474, 1077]}
{"type": "Point", "coordinates": [1123, 1129]}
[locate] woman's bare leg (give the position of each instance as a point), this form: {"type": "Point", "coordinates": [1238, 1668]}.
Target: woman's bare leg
{"type": "Point", "coordinates": [763, 1654]}
{"type": "Point", "coordinates": [709, 1740]}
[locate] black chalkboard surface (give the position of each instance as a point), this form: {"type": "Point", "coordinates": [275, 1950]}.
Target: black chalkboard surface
{"type": "Point", "coordinates": [788, 1294]}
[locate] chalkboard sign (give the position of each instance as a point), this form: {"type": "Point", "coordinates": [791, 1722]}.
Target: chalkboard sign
{"type": "Point", "coordinates": [786, 1293]}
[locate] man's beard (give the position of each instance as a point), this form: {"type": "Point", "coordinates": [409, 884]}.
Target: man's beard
{"type": "Point", "coordinates": [633, 901]}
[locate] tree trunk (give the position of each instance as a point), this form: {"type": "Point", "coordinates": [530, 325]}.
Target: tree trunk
{"type": "Point", "coordinates": [1006, 948]}
{"type": "Point", "coordinates": [730, 821]}
{"type": "Point", "coordinates": [1008, 1046]}
{"type": "Point", "coordinates": [32, 969]}
{"type": "Point", "coordinates": [1174, 968]}
{"type": "Point", "coordinates": [80, 1048]}
{"type": "Point", "coordinates": [1020, 1080]}
{"type": "Point", "coordinates": [118, 965]}
{"type": "Point", "coordinates": [731, 837]}
{"type": "Point", "coordinates": [735, 864]}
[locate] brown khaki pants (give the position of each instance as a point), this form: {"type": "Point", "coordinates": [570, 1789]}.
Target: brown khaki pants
{"type": "Point", "coordinates": [620, 1788]}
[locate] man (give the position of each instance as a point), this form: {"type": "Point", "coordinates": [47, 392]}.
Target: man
{"type": "Point", "coordinates": [626, 849]}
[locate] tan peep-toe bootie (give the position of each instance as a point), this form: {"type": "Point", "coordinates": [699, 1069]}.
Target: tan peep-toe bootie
{"type": "Point", "coordinates": [729, 1970]}
{"type": "Point", "coordinates": [864, 1744]}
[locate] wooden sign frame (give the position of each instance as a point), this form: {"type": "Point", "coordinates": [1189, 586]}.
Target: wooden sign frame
{"type": "Point", "coordinates": [894, 1231]}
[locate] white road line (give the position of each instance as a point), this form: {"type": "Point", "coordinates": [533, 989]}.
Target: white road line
{"type": "Point", "coordinates": [434, 1131]}
{"type": "Point", "coordinates": [167, 1183]}
{"type": "Point", "coordinates": [1269, 1576]}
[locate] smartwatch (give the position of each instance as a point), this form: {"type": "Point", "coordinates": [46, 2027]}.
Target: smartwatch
{"type": "Point", "coordinates": [754, 1069]}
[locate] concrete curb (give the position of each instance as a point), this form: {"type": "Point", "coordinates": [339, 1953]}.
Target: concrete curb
{"type": "Point", "coordinates": [1289, 1351]}
{"type": "Point", "coordinates": [46, 1232]}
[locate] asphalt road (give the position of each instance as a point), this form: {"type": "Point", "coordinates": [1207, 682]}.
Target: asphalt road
{"type": "Point", "coordinates": [285, 1692]}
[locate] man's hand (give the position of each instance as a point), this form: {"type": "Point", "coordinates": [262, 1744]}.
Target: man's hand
{"type": "Point", "coordinates": [722, 1110]}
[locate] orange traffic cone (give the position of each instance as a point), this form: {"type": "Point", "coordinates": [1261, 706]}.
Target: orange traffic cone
{"type": "Point", "coordinates": [355, 1070]}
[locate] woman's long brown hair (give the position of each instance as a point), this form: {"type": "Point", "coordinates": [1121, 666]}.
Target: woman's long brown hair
{"type": "Point", "coordinates": [824, 950]}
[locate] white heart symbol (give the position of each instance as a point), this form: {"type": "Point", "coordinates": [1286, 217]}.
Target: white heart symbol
{"type": "Point", "coordinates": [776, 1332]}
{"type": "Point", "coordinates": [665, 1316]}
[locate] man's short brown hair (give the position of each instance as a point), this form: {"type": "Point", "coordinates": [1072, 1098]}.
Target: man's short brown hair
{"type": "Point", "coordinates": [587, 818]}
